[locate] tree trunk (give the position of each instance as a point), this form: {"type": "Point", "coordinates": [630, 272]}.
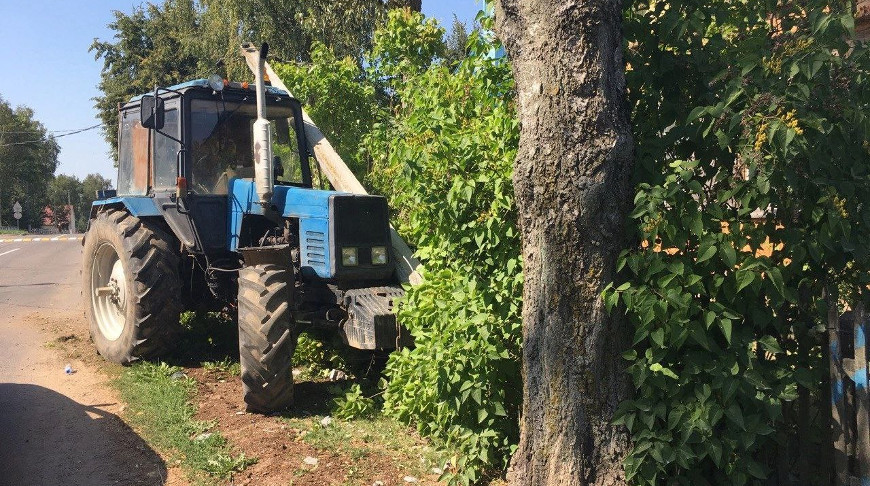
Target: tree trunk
{"type": "Point", "coordinates": [572, 178]}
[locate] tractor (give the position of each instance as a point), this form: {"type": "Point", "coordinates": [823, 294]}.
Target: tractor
{"type": "Point", "coordinates": [216, 206]}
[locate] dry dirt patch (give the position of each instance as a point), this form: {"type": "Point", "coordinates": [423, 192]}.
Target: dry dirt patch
{"type": "Point", "coordinates": [359, 452]}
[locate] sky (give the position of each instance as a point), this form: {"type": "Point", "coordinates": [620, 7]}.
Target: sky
{"type": "Point", "coordinates": [45, 65]}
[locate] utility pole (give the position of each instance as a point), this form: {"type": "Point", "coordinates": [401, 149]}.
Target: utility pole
{"type": "Point", "coordinates": [72, 215]}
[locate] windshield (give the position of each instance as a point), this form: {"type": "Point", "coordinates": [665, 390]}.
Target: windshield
{"type": "Point", "coordinates": [222, 147]}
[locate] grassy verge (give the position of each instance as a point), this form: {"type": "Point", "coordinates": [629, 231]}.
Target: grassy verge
{"type": "Point", "coordinates": [368, 443]}
{"type": "Point", "coordinates": [158, 398]}
{"type": "Point", "coordinates": [12, 232]}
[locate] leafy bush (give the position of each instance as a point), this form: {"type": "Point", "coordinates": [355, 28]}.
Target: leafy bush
{"type": "Point", "coordinates": [445, 161]}
{"type": "Point", "coordinates": [337, 95]}
{"type": "Point", "coordinates": [748, 218]}
{"type": "Point", "coordinates": [354, 404]}
{"type": "Point", "coordinates": [317, 356]}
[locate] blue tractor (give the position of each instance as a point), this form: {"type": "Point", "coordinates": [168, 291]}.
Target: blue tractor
{"type": "Point", "coordinates": [216, 206]}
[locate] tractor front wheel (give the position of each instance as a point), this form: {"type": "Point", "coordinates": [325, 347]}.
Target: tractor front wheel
{"type": "Point", "coordinates": [130, 287]}
{"type": "Point", "coordinates": [267, 338]}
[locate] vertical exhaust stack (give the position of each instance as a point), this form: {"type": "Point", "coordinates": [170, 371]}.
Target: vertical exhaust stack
{"type": "Point", "coordinates": [262, 135]}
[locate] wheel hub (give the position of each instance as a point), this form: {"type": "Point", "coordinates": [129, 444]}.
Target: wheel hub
{"type": "Point", "coordinates": [117, 283]}
{"type": "Point", "coordinates": [109, 292]}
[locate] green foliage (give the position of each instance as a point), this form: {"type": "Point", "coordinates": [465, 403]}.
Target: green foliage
{"type": "Point", "coordinates": [65, 191]}
{"type": "Point", "coordinates": [159, 403]}
{"type": "Point", "coordinates": [316, 357]}
{"type": "Point", "coordinates": [445, 162]}
{"type": "Point", "coordinates": [28, 158]}
{"type": "Point", "coordinates": [224, 366]}
{"type": "Point", "coordinates": [337, 96]}
{"type": "Point", "coordinates": [152, 48]}
{"type": "Point", "coordinates": [754, 171]}
{"type": "Point", "coordinates": [407, 45]}
{"type": "Point", "coordinates": [354, 404]}
{"type": "Point", "coordinates": [163, 43]}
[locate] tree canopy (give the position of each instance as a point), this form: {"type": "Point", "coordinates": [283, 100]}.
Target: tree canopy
{"type": "Point", "coordinates": [28, 158]}
{"type": "Point", "coordinates": [165, 43]}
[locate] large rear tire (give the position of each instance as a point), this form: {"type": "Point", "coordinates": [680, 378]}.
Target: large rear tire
{"type": "Point", "coordinates": [267, 338]}
{"type": "Point", "coordinates": [130, 286]}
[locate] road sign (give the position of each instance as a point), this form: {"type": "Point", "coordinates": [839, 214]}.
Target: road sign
{"type": "Point", "coordinates": [16, 215]}
{"type": "Point", "coordinates": [16, 207]}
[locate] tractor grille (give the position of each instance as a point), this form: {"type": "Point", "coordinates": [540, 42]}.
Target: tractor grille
{"type": "Point", "coordinates": [315, 248]}
{"type": "Point", "coordinates": [360, 220]}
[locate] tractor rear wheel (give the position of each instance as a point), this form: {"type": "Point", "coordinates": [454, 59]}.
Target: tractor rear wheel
{"type": "Point", "coordinates": [267, 338]}
{"type": "Point", "coordinates": [130, 287]}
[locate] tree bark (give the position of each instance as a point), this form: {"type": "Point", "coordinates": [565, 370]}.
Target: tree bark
{"type": "Point", "coordinates": [572, 178]}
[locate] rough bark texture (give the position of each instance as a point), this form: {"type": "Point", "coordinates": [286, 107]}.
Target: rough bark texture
{"type": "Point", "coordinates": [572, 182]}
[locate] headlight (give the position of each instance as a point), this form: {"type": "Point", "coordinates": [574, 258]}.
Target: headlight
{"type": "Point", "coordinates": [349, 257]}
{"type": "Point", "coordinates": [379, 255]}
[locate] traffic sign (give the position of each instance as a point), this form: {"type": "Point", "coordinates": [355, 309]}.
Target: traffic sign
{"type": "Point", "coordinates": [16, 207]}
{"type": "Point", "coordinates": [16, 215]}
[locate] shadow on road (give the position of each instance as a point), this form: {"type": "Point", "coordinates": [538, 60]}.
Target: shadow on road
{"type": "Point", "coordinates": [48, 439]}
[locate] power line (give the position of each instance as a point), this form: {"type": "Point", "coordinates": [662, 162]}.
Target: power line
{"type": "Point", "coordinates": [32, 131]}
{"type": "Point", "coordinates": [80, 130]}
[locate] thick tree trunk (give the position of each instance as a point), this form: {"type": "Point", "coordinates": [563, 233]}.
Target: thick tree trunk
{"type": "Point", "coordinates": [572, 182]}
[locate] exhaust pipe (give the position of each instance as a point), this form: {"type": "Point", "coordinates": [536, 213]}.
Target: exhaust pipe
{"type": "Point", "coordinates": [262, 136]}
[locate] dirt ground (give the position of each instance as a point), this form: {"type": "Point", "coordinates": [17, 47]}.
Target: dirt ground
{"type": "Point", "coordinates": [61, 428]}
{"type": "Point", "coordinates": [58, 428]}
{"type": "Point", "coordinates": [278, 441]}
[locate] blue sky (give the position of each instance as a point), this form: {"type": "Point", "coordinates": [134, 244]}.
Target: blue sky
{"type": "Point", "coordinates": [45, 64]}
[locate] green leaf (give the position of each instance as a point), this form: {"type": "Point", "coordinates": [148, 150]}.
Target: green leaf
{"type": "Point", "coordinates": [734, 414]}
{"type": "Point", "coordinates": [725, 325]}
{"type": "Point", "coordinates": [769, 343]}
{"type": "Point", "coordinates": [755, 469]}
{"type": "Point", "coordinates": [776, 279]}
{"type": "Point", "coordinates": [744, 278]}
{"type": "Point", "coordinates": [709, 318]}
{"type": "Point", "coordinates": [658, 337]}
{"type": "Point", "coordinates": [729, 256]}
{"type": "Point", "coordinates": [706, 253]}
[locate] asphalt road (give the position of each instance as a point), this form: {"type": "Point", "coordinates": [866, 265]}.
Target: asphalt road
{"type": "Point", "coordinates": [57, 428]}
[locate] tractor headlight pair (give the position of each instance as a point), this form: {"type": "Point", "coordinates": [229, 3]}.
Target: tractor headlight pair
{"type": "Point", "coordinates": [350, 256]}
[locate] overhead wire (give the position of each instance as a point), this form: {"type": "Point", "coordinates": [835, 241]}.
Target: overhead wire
{"type": "Point", "coordinates": [69, 132]}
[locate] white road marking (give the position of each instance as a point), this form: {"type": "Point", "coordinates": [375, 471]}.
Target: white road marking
{"type": "Point", "coordinates": [10, 251]}
{"type": "Point", "coordinates": [55, 238]}
{"type": "Point", "coordinates": [18, 239]}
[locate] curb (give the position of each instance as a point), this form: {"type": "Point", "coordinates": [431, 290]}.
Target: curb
{"type": "Point", "coordinates": [24, 239]}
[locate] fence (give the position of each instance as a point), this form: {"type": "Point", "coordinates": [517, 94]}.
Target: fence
{"type": "Point", "coordinates": [850, 403]}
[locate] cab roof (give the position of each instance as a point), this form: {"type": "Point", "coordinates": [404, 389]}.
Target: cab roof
{"type": "Point", "coordinates": [203, 83]}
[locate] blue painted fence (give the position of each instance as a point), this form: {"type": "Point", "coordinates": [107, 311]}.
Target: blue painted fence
{"type": "Point", "coordinates": [850, 403]}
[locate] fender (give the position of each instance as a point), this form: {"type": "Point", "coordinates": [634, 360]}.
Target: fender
{"type": "Point", "coordinates": [138, 206]}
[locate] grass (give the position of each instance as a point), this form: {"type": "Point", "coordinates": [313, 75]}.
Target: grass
{"type": "Point", "coordinates": [375, 436]}
{"type": "Point", "coordinates": [12, 232]}
{"type": "Point", "coordinates": [224, 366]}
{"type": "Point", "coordinates": [159, 405]}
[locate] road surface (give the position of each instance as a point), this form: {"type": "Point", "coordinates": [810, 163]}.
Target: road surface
{"type": "Point", "coordinates": [57, 428]}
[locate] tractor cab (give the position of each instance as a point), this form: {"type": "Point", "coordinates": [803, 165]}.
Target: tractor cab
{"type": "Point", "coordinates": [205, 138]}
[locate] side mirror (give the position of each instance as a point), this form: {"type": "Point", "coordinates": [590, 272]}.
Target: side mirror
{"type": "Point", "coordinates": [151, 112]}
